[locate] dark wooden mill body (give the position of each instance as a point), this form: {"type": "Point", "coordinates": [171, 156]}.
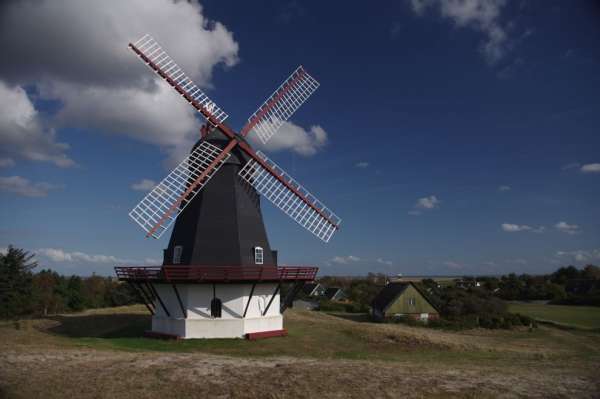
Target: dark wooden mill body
{"type": "Point", "coordinates": [223, 224]}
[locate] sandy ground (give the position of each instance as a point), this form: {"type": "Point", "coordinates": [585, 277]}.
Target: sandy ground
{"type": "Point", "coordinates": [109, 374]}
{"type": "Point", "coordinates": [437, 364]}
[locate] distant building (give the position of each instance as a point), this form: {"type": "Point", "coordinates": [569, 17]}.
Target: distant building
{"type": "Point", "coordinates": [313, 289]}
{"type": "Point", "coordinates": [402, 299]}
{"type": "Point", "coordinates": [465, 284]}
{"type": "Point", "coordinates": [335, 294]}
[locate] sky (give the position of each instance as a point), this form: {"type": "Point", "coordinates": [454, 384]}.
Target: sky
{"type": "Point", "coordinates": [452, 137]}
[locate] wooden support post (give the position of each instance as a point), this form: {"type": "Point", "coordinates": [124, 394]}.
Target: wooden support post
{"type": "Point", "coordinates": [249, 299]}
{"type": "Point", "coordinates": [146, 296]}
{"type": "Point", "coordinates": [132, 285]}
{"type": "Point", "coordinates": [162, 304]}
{"type": "Point", "coordinates": [183, 309]}
{"type": "Point", "coordinates": [273, 297]}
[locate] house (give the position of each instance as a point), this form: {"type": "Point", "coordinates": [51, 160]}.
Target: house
{"type": "Point", "coordinates": [313, 289]}
{"type": "Point", "coordinates": [402, 299]}
{"type": "Point", "coordinates": [335, 294]}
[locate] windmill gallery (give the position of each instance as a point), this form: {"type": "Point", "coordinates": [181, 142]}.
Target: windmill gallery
{"type": "Point", "coordinates": [219, 277]}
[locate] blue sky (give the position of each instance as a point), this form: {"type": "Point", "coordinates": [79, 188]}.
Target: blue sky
{"type": "Point", "coordinates": [462, 136]}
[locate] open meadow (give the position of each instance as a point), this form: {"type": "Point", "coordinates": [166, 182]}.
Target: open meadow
{"type": "Point", "coordinates": [587, 317]}
{"type": "Point", "coordinates": [99, 354]}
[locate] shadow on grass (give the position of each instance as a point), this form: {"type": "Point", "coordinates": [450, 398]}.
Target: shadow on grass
{"type": "Point", "coordinates": [102, 325]}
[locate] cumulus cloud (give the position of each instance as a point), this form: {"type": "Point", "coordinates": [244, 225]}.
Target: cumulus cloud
{"type": "Point", "coordinates": [7, 162]}
{"type": "Point", "coordinates": [384, 261]}
{"type": "Point", "coordinates": [580, 255]}
{"type": "Point", "coordinates": [504, 188]}
{"type": "Point", "coordinates": [430, 202]}
{"type": "Point", "coordinates": [570, 166]}
{"type": "Point", "coordinates": [22, 134]}
{"type": "Point", "coordinates": [60, 255]}
{"type": "Point", "coordinates": [567, 228]}
{"type": "Point", "coordinates": [454, 265]}
{"type": "Point", "coordinates": [143, 185]}
{"type": "Point", "coordinates": [425, 204]}
{"type": "Point", "coordinates": [514, 228]}
{"type": "Point", "coordinates": [295, 138]}
{"type": "Point", "coordinates": [82, 61]}
{"type": "Point", "coordinates": [480, 15]}
{"type": "Point", "coordinates": [21, 186]}
{"type": "Point", "coordinates": [344, 260]}
{"type": "Point", "coordinates": [362, 165]}
{"type": "Point", "coordinates": [591, 168]}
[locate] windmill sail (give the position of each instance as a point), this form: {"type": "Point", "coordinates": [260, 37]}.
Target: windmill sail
{"type": "Point", "coordinates": [281, 105]}
{"type": "Point", "coordinates": [160, 62]}
{"type": "Point", "coordinates": [289, 196]}
{"type": "Point", "coordinates": [160, 207]}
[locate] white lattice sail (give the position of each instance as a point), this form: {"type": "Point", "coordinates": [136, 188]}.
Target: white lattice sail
{"type": "Point", "coordinates": [178, 79]}
{"type": "Point", "coordinates": [310, 213]}
{"type": "Point", "coordinates": [161, 206]}
{"type": "Point", "coordinates": [281, 105]}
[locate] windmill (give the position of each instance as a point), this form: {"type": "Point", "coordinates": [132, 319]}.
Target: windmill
{"type": "Point", "coordinates": [219, 276]}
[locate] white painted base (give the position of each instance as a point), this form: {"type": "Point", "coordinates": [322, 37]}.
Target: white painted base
{"type": "Point", "coordinates": [215, 328]}
{"type": "Point", "coordinates": [199, 323]}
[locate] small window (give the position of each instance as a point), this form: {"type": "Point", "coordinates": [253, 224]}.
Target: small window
{"type": "Point", "coordinates": [177, 251]}
{"type": "Point", "coordinates": [258, 255]}
{"type": "Point", "coordinates": [412, 301]}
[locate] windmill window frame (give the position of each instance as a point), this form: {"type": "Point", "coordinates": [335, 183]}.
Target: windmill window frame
{"type": "Point", "coordinates": [259, 255]}
{"type": "Point", "coordinates": [177, 252]}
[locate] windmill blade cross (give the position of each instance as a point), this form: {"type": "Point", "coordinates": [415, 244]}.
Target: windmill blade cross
{"type": "Point", "coordinates": [288, 195]}
{"type": "Point", "coordinates": [152, 54]}
{"type": "Point", "coordinates": [161, 206]}
{"type": "Point", "coordinates": [281, 105]}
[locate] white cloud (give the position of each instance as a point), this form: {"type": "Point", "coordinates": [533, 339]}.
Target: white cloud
{"type": "Point", "coordinates": [591, 168]}
{"type": "Point", "coordinates": [580, 255]}
{"type": "Point", "coordinates": [295, 138]}
{"type": "Point", "coordinates": [430, 202]}
{"type": "Point", "coordinates": [481, 15]}
{"type": "Point", "coordinates": [504, 188]}
{"type": "Point", "coordinates": [104, 86]}
{"type": "Point", "coordinates": [567, 228]}
{"type": "Point", "coordinates": [21, 186]}
{"type": "Point", "coordinates": [344, 260]}
{"type": "Point", "coordinates": [143, 185]}
{"type": "Point", "coordinates": [570, 166]}
{"type": "Point", "coordinates": [60, 255]}
{"type": "Point", "coordinates": [7, 162]}
{"type": "Point", "coordinates": [384, 261]}
{"type": "Point", "coordinates": [425, 204]}
{"type": "Point", "coordinates": [514, 228]}
{"type": "Point", "coordinates": [454, 265]}
{"type": "Point", "coordinates": [22, 134]}
{"type": "Point", "coordinates": [362, 165]}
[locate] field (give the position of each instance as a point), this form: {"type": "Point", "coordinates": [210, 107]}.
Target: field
{"type": "Point", "coordinates": [98, 354]}
{"type": "Point", "coordinates": [587, 317]}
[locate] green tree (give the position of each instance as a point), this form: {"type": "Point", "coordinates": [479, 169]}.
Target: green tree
{"type": "Point", "coordinates": [16, 266]}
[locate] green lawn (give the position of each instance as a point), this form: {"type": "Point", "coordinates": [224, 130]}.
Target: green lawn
{"type": "Point", "coordinates": [576, 316]}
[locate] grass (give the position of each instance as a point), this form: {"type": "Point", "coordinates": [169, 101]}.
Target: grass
{"type": "Point", "coordinates": [325, 355]}
{"type": "Point", "coordinates": [586, 317]}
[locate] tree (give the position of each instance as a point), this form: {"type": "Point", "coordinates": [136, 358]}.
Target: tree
{"type": "Point", "coordinates": [16, 266]}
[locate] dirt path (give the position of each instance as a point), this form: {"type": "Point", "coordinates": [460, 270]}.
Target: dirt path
{"type": "Point", "coordinates": [62, 373]}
